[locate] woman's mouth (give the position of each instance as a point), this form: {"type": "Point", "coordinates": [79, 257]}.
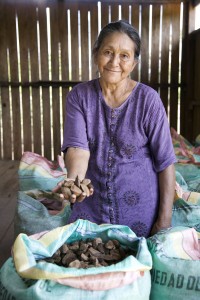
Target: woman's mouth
{"type": "Point", "coordinates": [113, 71]}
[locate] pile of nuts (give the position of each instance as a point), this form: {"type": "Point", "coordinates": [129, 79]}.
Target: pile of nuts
{"type": "Point", "coordinates": [76, 187]}
{"type": "Point", "coordinates": [89, 253]}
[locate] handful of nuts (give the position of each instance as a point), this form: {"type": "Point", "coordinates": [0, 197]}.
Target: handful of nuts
{"type": "Point", "coordinates": [76, 187]}
{"type": "Point", "coordinates": [89, 253]}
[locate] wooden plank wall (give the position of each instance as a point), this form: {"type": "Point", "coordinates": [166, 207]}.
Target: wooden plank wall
{"type": "Point", "coordinates": [45, 48]}
{"type": "Point", "coordinates": [196, 104]}
{"type": "Point", "coordinates": [193, 91]}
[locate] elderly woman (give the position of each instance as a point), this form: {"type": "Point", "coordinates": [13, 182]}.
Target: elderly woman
{"type": "Point", "coordinates": [117, 134]}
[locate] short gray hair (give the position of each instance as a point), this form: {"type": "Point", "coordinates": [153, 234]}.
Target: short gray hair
{"type": "Point", "coordinates": [122, 26]}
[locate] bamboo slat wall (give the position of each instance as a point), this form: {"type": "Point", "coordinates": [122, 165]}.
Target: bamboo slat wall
{"type": "Point", "coordinates": [193, 86]}
{"type": "Point", "coordinates": [45, 48]}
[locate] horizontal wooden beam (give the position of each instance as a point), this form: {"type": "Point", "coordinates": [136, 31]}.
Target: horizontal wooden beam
{"type": "Point", "coordinates": [41, 83]}
{"type": "Point", "coordinates": [57, 84]}
{"type": "Point", "coordinates": [194, 103]}
{"type": "Point", "coordinates": [129, 1]}
{"type": "Point", "coordinates": [194, 2]}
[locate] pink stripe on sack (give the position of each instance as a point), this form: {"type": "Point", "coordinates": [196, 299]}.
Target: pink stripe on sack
{"type": "Point", "coordinates": [31, 158]}
{"type": "Point", "coordinates": [101, 282]}
{"type": "Point", "coordinates": [191, 243]}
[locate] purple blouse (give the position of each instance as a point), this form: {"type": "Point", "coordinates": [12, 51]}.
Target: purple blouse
{"type": "Point", "coordinates": [128, 146]}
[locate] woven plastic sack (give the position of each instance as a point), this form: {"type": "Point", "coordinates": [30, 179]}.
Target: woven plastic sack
{"type": "Point", "coordinates": [38, 210]}
{"type": "Point", "coordinates": [36, 172]}
{"type": "Point", "coordinates": [188, 157]}
{"type": "Point", "coordinates": [185, 152]}
{"type": "Point", "coordinates": [181, 181]}
{"type": "Point", "coordinates": [190, 174]}
{"type": "Point", "coordinates": [128, 279]}
{"type": "Point", "coordinates": [186, 208]}
{"type": "Point", "coordinates": [175, 273]}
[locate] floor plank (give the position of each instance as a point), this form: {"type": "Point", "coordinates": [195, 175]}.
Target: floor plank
{"type": "Point", "coordinates": [8, 198]}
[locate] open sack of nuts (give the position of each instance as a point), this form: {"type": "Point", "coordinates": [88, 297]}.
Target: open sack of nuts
{"type": "Point", "coordinates": [83, 260]}
{"type": "Point", "coordinates": [39, 210]}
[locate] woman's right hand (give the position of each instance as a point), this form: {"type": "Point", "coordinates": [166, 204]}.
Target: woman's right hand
{"type": "Point", "coordinates": [73, 190]}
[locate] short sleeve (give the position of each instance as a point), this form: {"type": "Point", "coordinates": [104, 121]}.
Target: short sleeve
{"type": "Point", "coordinates": [75, 133]}
{"type": "Point", "coordinates": [158, 132]}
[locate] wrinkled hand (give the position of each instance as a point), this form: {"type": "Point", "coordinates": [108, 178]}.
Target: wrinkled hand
{"type": "Point", "coordinates": [74, 190]}
{"type": "Point", "coordinates": [159, 226]}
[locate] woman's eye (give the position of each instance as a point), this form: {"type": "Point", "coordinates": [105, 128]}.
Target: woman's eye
{"type": "Point", "coordinates": [124, 57]}
{"type": "Point", "coordinates": [107, 53]}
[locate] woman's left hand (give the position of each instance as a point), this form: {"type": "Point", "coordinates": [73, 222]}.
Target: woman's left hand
{"type": "Point", "coordinates": [158, 226]}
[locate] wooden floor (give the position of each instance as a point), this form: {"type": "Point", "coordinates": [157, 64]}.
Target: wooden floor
{"type": "Point", "coordinates": [8, 197]}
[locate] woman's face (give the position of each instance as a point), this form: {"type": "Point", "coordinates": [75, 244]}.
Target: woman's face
{"type": "Point", "coordinates": [115, 58]}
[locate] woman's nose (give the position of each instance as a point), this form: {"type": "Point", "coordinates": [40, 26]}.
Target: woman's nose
{"type": "Point", "coordinates": [115, 59]}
